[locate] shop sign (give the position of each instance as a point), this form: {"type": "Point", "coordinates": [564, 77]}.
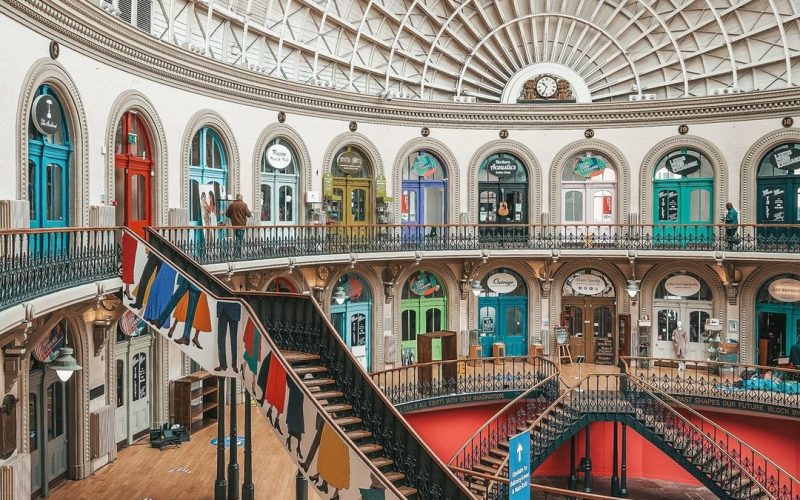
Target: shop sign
{"type": "Point", "coordinates": [47, 348]}
{"type": "Point", "coordinates": [683, 164]}
{"type": "Point", "coordinates": [590, 166]}
{"type": "Point", "coordinates": [562, 335]}
{"type": "Point", "coordinates": [130, 325]}
{"type": "Point", "coordinates": [46, 114]}
{"type": "Point", "coordinates": [588, 284]}
{"type": "Point", "coordinates": [380, 187]}
{"type": "Point", "coordinates": [350, 162]}
{"type": "Point", "coordinates": [424, 285]}
{"type": "Point", "coordinates": [425, 165]}
{"type": "Point", "coordinates": [502, 166]}
{"type": "Point", "coordinates": [502, 283]}
{"type": "Point", "coordinates": [785, 290]}
{"type": "Point", "coordinates": [786, 157]}
{"type": "Point", "coordinates": [327, 185]}
{"type": "Point", "coordinates": [682, 285]}
{"type": "Point", "coordinates": [279, 156]}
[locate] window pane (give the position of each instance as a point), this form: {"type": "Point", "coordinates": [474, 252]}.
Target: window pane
{"type": "Point", "coordinates": [700, 209]}
{"type": "Point", "coordinates": [32, 188]}
{"type": "Point", "coordinates": [194, 203]}
{"type": "Point", "coordinates": [194, 151]}
{"type": "Point", "coordinates": [209, 142]}
{"type": "Point", "coordinates": [412, 206]}
{"type": "Point", "coordinates": [358, 205]}
{"type": "Point", "coordinates": [33, 421]}
{"type": "Point", "coordinates": [409, 325]}
{"type": "Point", "coordinates": [486, 320]}
{"type": "Point", "coordinates": [667, 323]}
{"type": "Point", "coordinates": [54, 192]}
{"type": "Point", "coordinates": [119, 143]}
{"type": "Point", "coordinates": [433, 320]}
{"type": "Point", "coordinates": [487, 207]}
{"type": "Point", "coordinates": [285, 201]}
{"type": "Point", "coordinates": [266, 203]}
{"type": "Point", "coordinates": [55, 408]}
{"type": "Point", "coordinates": [573, 206]}
{"type": "Point", "coordinates": [697, 326]}
{"type": "Point", "coordinates": [513, 322]}
{"type": "Point", "coordinates": [135, 378]}
{"type": "Point", "coordinates": [603, 206]}
{"type": "Point", "coordinates": [120, 383]}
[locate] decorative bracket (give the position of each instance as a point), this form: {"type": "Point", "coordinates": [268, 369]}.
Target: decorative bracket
{"type": "Point", "coordinates": [389, 277]}
{"type": "Point", "coordinates": [13, 355]}
{"type": "Point", "coordinates": [732, 281]}
{"type": "Point", "coordinates": [100, 334]}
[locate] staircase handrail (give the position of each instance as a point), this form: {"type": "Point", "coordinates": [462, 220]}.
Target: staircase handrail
{"type": "Point", "coordinates": [627, 361]}
{"type": "Point", "coordinates": [501, 412]}
{"type": "Point", "coordinates": [535, 487]}
{"type": "Point", "coordinates": [229, 294]}
{"type": "Point", "coordinates": [671, 403]}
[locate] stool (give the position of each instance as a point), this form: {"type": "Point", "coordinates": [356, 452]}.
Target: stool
{"type": "Point", "coordinates": [534, 351]}
{"type": "Point", "coordinates": [475, 352]}
{"type": "Point", "coordinates": [498, 351]}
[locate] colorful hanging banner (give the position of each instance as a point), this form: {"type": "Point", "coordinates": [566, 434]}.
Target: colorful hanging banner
{"type": "Point", "coordinates": [424, 285]}
{"type": "Point", "coordinates": [425, 165]}
{"type": "Point", "coordinates": [590, 166]}
{"type": "Point", "coordinates": [47, 348]}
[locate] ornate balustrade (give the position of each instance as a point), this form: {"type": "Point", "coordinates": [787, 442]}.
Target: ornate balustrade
{"type": "Point", "coordinates": [739, 386]}
{"type": "Point", "coordinates": [227, 244]}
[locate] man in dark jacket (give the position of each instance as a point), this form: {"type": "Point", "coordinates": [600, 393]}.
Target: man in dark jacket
{"type": "Point", "coordinates": [238, 213]}
{"type": "Point", "coordinates": [731, 220]}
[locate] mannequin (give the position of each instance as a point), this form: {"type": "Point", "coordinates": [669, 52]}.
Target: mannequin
{"type": "Point", "coordinates": [680, 340]}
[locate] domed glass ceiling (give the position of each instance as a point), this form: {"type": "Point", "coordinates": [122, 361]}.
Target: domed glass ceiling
{"type": "Point", "coordinates": [437, 49]}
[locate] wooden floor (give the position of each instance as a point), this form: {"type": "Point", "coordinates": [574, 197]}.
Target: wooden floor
{"type": "Point", "coordinates": [141, 472]}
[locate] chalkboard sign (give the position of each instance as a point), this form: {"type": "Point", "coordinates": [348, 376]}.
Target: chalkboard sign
{"type": "Point", "coordinates": [668, 205]}
{"type": "Point", "coordinates": [603, 351]}
{"type": "Point", "coordinates": [773, 204]}
{"type": "Point", "coordinates": [562, 334]}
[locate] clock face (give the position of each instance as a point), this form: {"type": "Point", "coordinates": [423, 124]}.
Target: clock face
{"type": "Point", "coordinates": [546, 86]}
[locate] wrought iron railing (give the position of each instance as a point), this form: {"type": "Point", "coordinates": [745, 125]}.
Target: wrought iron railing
{"type": "Point", "coordinates": [38, 262]}
{"type": "Point", "coordinates": [461, 378]}
{"type": "Point", "coordinates": [540, 491]}
{"type": "Point", "coordinates": [751, 387]}
{"type": "Point", "coordinates": [227, 244]}
{"type": "Point", "coordinates": [295, 322]}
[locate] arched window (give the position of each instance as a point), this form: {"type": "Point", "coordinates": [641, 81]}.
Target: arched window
{"type": "Point", "coordinates": [423, 309]}
{"type": "Point", "coordinates": [683, 197]}
{"type": "Point", "coordinates": [777, 318]}
{"type": "Point", "coordinates": [351, 315]}
{"type": "Point", "coordinates": [778, 192]}
{"type": "Point", "coordinates": [49, 155]}
{"type": "Point", "coordinates": [208, 178]}
{"type": "Point", "coordinates": [424, 196]}
{"type": "Point", "coordinates": [682, 300]}
{"type": "Point", "coordinates": [133, 162]}
{"type": "Point", "coordinates": [280, 176]}
{"type": "Point", "coordinates": [589, 190]}
{"type": "Point", "coordinates": [349, 200]}
{"type": "Point", "coordinates": [502, 190]}
{"type": "Point", "coordinates": [281, 285]}
{"type": "Point", "coordinates": [503, 312]}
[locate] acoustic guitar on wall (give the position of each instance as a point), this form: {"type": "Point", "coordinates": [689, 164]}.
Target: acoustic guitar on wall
{"type": "Point", "coordinates": [502, 210]}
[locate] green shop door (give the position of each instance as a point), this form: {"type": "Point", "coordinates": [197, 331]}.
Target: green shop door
{"type": "Point", "coordinates": [682, 208]}
{"type": "Point", "coordinates": [418, 317]}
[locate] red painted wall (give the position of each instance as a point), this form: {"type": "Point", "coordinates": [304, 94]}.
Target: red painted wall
{"type": "Point", "coordinates": [446, 430]}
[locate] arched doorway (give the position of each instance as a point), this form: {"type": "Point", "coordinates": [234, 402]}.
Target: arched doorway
{"type": "Point", "coordinates": [349, 200]}
{"type": "Point", "coordinates": [589, 196]}
{"type": "Point", "coordinates": [682, 300]}
{"type": "Point", "coordinates": [281, 285]}
{"type": "Point", "coordinates": [49, 154]}
{"type": "Point", "coordinates": [208, 178]}
{"type": "Point", "coordinates": [503, 312]}
{"type": "Point", "coordinates": [351, 315]}
{"type": "Point", "coordinates": [502, 196]}
{"type": "Point", "coordinates": [280, 176]}
{"type": "Point", "coordinates": [588, 311]}
{"type": "Point", "coordinates": [48, 431]}
{"type": "Point", "coordinates": [778, 318]}
{"type": "Point", "coordinates": [133, 169]}
{"type": "Point", "coordinates": [423, 309]}
{"type": "Point", "coordinates": [683, 197]}
{"type": "Point", "coordinates": [424, 195]}
{"type": "Point", "coordinates": [133, 361]}
{"type": "Point", "coordinates": [778, 193]}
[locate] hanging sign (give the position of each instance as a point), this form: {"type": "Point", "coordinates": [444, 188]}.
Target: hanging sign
{"type": "Point", "coordinates": [786, 157]}
{"type": "Point", "coordinates": [785, 290]}
{"type": "Point", "coordinates": [327, 185]}
{"type": "Point", "coordinates": [588, 284]}
{"type": "Point", "coordinates": [130, 325]}
{"type": "Point", "coordinates": [350, 162]}
{"type": "Point", "coordinates": [487, 324]}
{"type": "Point", "coordinates": [47, 348]}
{"type": "Point", "coordinates": [519, 466]}
{"type": "Point", "coordinates": [380, 187]}
{"type": "Point", "coordinates": [425, 165]}
{"type": "Point", "coordinates": [502, 166]}
{"type": "Point", "coordinates": [502, 283]}
{"type": "Point", "coordinates": [279, 156]}
{"type": "Point", "coordinates": [46, 114]}
{"type": "Point", "coordinates": [590, 166]}
{"type": "Point", "coordinates": [682, 285]}
{"type": "Point", "coordinates": [424, 285]}
{"type": "Point", "coordinates": [683, 164]}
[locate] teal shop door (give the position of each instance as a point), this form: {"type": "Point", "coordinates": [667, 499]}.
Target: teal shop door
{"type": "Point", "coordinates": [681, 209]}
{"type": "Point", "coordinates": [352, 321]}
{"type": "Point", "coordinates": [777, 327]}
{"type": "Point", "coordinates": [505, 320]}
{"type": "Point", "coordinates": [778, 203]}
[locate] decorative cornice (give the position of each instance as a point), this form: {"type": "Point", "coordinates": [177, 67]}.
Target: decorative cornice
{"type": "Point", "coordinates": [87, 29]}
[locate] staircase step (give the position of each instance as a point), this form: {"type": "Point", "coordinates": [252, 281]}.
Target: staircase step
{"type": "Point", "coordinates": [318, 382]}
{"type": "Point", "coordinates": [394, 476]}
{"type": "Point", "coordinates": [303, 370]}
{"type": "Point", "coordinates": [358, 434]}
{"type": "Point", "coordinates": [343, 421]}
{"type": "Point", "coordinates": [407, 491]}
{"type": "Point", "coordinates": [337, 407]}
{"type": "Point", "coordinates": [503, 444]}
{"type": "Point", "coordinates": [492, 460]}
{"type": "Point", "coordinates": [484, 469]}
{"type": "Point", "coordinates": [498, 452]}
{"type": "Point", "coordinates": [370, 448]}
{"type": "Point", "coordinates": [381, 462]}
{"type": "Point", "coordinates": [299, 357]}
{"type": "Point", "coordinates": [477, 488]}
{"type": "Point", "coordinates": [328, 394]}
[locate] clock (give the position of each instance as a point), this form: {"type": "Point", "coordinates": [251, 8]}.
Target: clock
{"type": "Point", "coordinates": [546, 87]}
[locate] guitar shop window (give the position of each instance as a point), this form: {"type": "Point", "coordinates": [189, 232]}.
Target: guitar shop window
{"type": "Point", "coordinates": [502, 190]}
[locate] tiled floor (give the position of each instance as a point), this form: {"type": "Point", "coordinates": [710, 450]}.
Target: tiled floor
{"type": "Point", "coordinates": [644, 489]}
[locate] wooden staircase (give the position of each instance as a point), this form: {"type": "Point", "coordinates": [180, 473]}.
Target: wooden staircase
{"type": "Point", "coordinates": [316, 378]}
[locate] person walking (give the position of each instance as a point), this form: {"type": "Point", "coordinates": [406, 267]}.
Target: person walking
{"type": "Point", "coordinates": [238, 212]}
{"type": "Point", "coordinates": [731, 221]}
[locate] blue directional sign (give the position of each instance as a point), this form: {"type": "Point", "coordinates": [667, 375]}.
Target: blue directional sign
{"type": "Point", "coordinates": [519, 466]}
{"type": "Point", "coordinates": [239, 441]}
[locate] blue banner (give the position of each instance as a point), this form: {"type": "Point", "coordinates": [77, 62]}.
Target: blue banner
{"type": "Point", "coordinates": [519, 466]}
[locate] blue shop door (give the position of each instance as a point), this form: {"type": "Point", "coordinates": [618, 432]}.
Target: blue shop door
{"type": "Point", "coordinates": [352, 321]}
{"type": "Point", "coordinates": [48, 193]}
{"type": "Point", "coordinates": [412, 213]}
{"type": "Point", "coordinates": [503, 320]}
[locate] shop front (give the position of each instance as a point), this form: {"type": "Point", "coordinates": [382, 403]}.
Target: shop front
{"type": "Point", "coordinates": [349, 192]}
{"type": "Point", "coordinates": [503, 313]}
{"type": "Point", "coordinates": [778, 195]}
{"type": "Point", "coordinates": [133, 362]}
{"type": "Point", "coordinates": [423, 309]}
{"type": "Point", "coordinates": [423, 200]}
{"type": "Point", "coordinates": [133, 171]}
{"type": "Point", "coordinates": [351, 316]}
{"type": "Point", "coordinates": [589, 197]}
{"type": "Point", "coordinates": [280, 175]}
{"type": "Point", "coordinates": [588, 312]}
{"type": "Point", "coordinates": [777, 319]}
{"type": "Point", "coordinates": [503, 198]}
{"type": "Point", "coordinates": [682, 301]}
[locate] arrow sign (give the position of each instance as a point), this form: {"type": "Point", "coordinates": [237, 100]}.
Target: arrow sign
{"type": "Point", "coordinates": [519, 467]}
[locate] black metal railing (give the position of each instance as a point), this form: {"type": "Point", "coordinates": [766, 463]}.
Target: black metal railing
{"type": "Point", "coordinates": [295, 322]}
{"type": "Point", "coordinates": [226, 244]}
{"type": "Point", "coordinates": [461, 378]}
{"type": "Point", "coordinates": [38, 262]}
{"type": "Point", "coordinates": [750, 387]}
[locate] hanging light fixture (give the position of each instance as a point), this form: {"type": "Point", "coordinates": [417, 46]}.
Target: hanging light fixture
{"type": "Point", "coordinates": [65, 364]}
{"type": "Point", "coordinates": [633, 288]}
{"type": "Point", "coordinates": [339, 296]}
{"type": "Point", "coordinates": [477, 289]}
